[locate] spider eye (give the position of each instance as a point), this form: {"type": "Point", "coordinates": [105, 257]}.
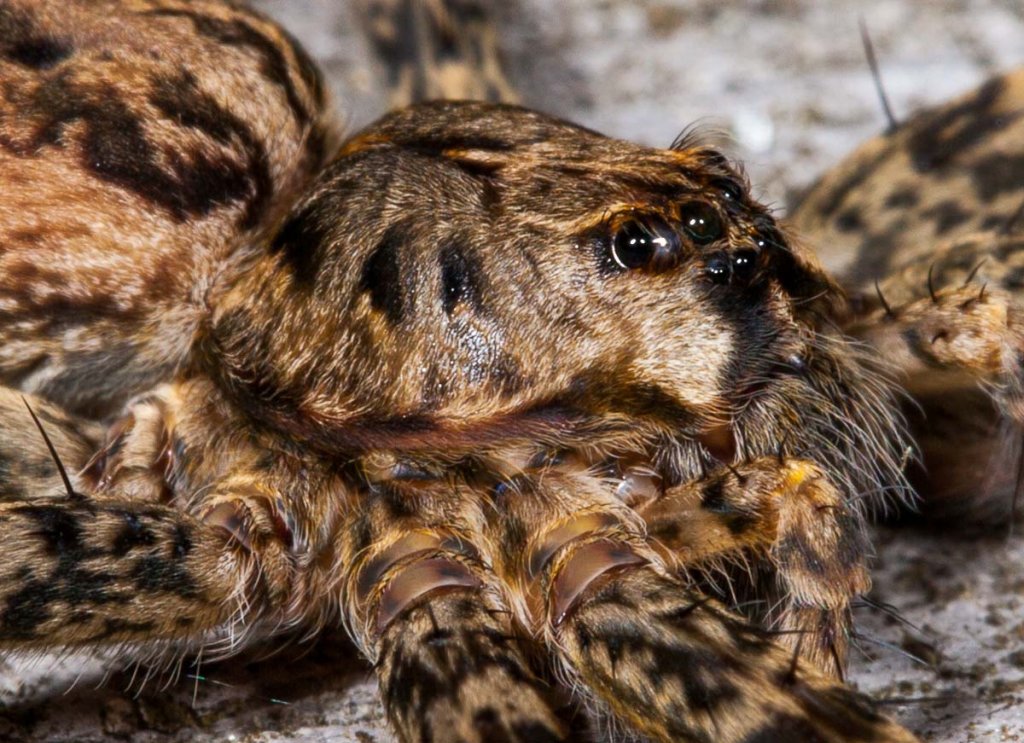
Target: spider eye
{"type": "Point", "coordinates": [744, 264]}
{"type": "Point", "coordinates": [718, 268]}
{"type": "Point", "coordinates": [701, 222]}
{"type": "Point", "coordinates": [646, 243]}
{"type": "Point", "coordinates": [768, 238]}
{"type": "Point", "coordinates": [730, 189]}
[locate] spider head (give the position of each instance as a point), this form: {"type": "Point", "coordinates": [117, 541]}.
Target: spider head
{"type": "Point", "coordinates": [465, 272]}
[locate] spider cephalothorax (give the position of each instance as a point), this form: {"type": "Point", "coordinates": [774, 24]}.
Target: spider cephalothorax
{"type": "Point", "coordinates": [464, 275]}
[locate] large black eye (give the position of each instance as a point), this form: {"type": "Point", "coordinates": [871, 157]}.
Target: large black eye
{"type": "Point", "coordinates": [646, 242]}
{"type": "Point", "coordinates": [744, 264]}
{"type": "Point", "coordinates": [718, 268]}
{"type": "Point", "coordinates": [700, 222]}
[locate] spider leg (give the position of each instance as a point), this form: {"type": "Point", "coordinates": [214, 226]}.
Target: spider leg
{"type": "Point", "coordinates": [108, 572]}
{"type": "Point", "coordinates": [648, 651]}
{"type": "Point", "coordinates": [973, 329]}
{"type": "Point", "coordinates": [954, 334]}
{"type": "Point", "coordinates": [427, 610]}
{"type": "Point", "coordinates": [784, 516]}
{"type": "Point", "coordinates": [132, 555]}
{"type": "Point", "coordinates": [83, 571]}
{"type": "Point", "coordinates": [437, 50]}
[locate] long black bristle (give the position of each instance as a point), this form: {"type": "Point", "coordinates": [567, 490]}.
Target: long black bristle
{"type": "Point", "coordinates": [974, 271]}
{"type": "Point", "coordinates": [885, 305]}
{"type": "Point", "coordinates": [869, 51]}
{"type": "Point", "coordinates": [53, 451]}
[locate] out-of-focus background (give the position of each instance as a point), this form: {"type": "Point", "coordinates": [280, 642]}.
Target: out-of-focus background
{"type": "Point", "coordinates": [787, 83]}
{"type": "Point", "coordinates": [786, 80]}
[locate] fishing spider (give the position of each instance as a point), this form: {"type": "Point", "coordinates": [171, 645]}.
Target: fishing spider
{"type": "Point", "coordinates": [527, 409]}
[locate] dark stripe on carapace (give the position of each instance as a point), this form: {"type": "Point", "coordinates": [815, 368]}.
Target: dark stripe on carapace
{"type": "Point", "coordinates": [381, 276]}
{"type": "Point", "coordinates": [300, 244]}
{"type": "Point", "coordinates": [39, 52]}
{"type": "Point", "coordinates": [460, 277]}
{"type": "Point", "coordinates": [506, 376]}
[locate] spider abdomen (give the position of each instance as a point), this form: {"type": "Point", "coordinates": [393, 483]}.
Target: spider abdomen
{"type": "Point", "coordinates": [133, 176]}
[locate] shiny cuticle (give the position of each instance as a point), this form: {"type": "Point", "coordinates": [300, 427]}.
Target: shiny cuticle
{"type": "Point", "coordinates": [582, 568]}
{"type": "Point", "coordinates": [377, 567]}
{"type": "Point", "coordinates": [557, 538]}
{"type": "Point", "coordinates": [416, 581]}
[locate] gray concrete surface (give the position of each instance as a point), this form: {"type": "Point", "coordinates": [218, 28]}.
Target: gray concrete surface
{"type": "Point", "coordinates": [787, 81]}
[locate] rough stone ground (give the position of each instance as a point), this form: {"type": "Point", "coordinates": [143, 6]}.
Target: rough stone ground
{"type": "Point", "coordinates": [786, 80]}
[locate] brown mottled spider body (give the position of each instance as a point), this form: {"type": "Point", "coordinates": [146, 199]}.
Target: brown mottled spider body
{"type": "Point", "coordinates": [943, 245]}
{"type": "Point", "coordinates": [502, 395]}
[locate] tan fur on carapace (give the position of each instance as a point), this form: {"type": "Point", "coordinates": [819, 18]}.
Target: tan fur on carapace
{"type": "Point", "coordinates": [451, 276]}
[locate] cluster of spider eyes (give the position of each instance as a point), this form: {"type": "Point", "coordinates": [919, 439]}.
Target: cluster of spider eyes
{"type": "Point", "coordinates": [651, 243]}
